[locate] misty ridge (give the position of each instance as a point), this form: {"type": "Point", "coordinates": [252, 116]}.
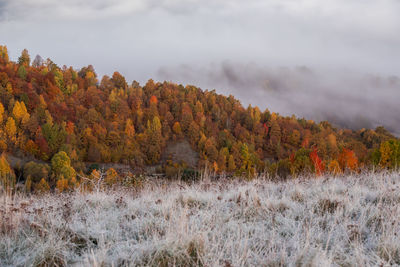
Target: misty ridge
{"type": "Point", "coordinates": [345, 98]}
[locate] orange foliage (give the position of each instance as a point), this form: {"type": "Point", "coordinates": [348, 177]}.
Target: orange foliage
{"type": "Point", "coordinates": [348, 160]}
{"type": "Point", "coordinates": [266, 128]}
{"type": "Point", "coordinates": [153, 100]}
{"type": "Point", "coordinates": [319, 166]}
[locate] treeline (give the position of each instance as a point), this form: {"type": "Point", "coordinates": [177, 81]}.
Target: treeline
{"type": "Point", "coordinates": [46, 109]}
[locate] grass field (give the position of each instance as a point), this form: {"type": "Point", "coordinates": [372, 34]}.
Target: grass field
{"type": "Point", "coordinates": [346, 221]}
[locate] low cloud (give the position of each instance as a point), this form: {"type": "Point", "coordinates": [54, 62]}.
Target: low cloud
{"type": "Point", "coordinates": [348, 99]}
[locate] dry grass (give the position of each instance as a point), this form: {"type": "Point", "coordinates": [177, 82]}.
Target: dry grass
{"type": "Point", "coordinates": [348, 221]}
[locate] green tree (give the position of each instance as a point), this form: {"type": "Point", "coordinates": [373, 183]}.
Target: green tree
{"type": "Point", "coordinates": [22, 72]}
{"type": "Point", "coordinates": [54, 134]}
{"type": "Point", "coordinates": [61, 166]}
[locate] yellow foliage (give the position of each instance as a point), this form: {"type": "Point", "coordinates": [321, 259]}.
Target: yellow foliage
{"type": "Point", "coordinates": [89, 75]}
{"type": "Point", "coordinates": [111, 176]}
{"type": "Point", "coordinates": [177, 128]}
{"type": "Point", "coordinates": [334, 167]}
{"type": "Point", "coordinates": [1, 112]}
{"type": "Point", "coordinates": [129, 129]}
{"type": "Point", "coordinates": [42, 186]}
{"type": "Point", "coordinates": [332, 142]}
{"type": "Point", "coordinates": [385, 155]}
{"type": "Point", "coordinates": [215, 166]}
{"type": "Point", "coordinates": [28, 184]}
{"type": "Point", "coordinates": [3, 146]}
{"type": "Point", "coordinates": [4, 53]}
{"type": "Point", "coordinates": [11, 129]}
{"type": "Point", "coordinates": [9, 88]}
{"type": "Point", "coordinates": [95, 175]}
{"type": "Point", "coordinates": [62, 185]}
{"type": "Point", "coordinates": [17, 111]}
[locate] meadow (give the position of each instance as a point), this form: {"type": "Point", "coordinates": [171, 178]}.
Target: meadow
{"type": "Point", "coordinates": [352, 220]}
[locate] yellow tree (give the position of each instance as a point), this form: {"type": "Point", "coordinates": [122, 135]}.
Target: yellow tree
{"type": "Point", "coordinates": [1, 113]}
{"type": "Point", "coordinates": [42, 186]}
{"type": "Point", "coordinates": [7, 176]}
{"type": "Point", "coordinates": [385, 152]}
{"type": "Point", "coordinates": [20, 112]}
{"type": "Point", "coordinates": [177, 128]}
{"type": "Point", "coordinates": [111, 176]}
{"type": "Point", "coordinates": [11, 129]}
{"type": "Point", "coordinates": [3, 53]}
{"type": "Point", "coordinates": [231, 164]}
{"type": "Point", "coordinates": [275, 134]}
{"type": "Point", "coordinates": [334, 167]}
{"type": "Point", "coordinates": [129, 129]}
{"type": "Point", "coordinates": [154, 140]}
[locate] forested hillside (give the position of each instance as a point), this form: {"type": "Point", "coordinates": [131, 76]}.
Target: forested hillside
{"type": "Point", "coordinates": [46, 110]}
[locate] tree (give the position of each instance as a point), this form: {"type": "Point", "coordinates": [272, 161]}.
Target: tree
{"type": "Point", "coordinates": [119, 81]}
{"type": "Point", "coordinates": [301, 162]}
{"type": "Point", "coordinates": [389, 154]}
{"type": "Point", "coordinates": [37, 62]}
{"type": "Point", "coordinates": [222, 158]}
{"type": "Point", "coordinates": [385, 153]}
{"type": "Point", "coordinates": [295, 137]}
{"type": "Point", "coordinates": [129, 129]}
{"type": "Point", "coordinates": [177, 128]}
{"type": "Point", "coordinates": [1, 113]}
{"type": "Point", "coordinates": [332, 144]}
{"type": "Point", "coordinates": [153, 100]}
{"type": "Point", "coordinates": [20, 112]}
{"type": "Point", "coordinates": [154, 140]}
{"type": "Point", "coordinates": [275, 133]}
{"type": "Point", "coordinates": [7, 176]}
{"type": "Point", "coordinates": [231, 164]}
{"type": "Point", "coordinates": [54, 134]}
{"type": "Point", "coordinates": [42, 186]}
{"type": "Point", "coordinates": [348, 160]}
{"type": "Point", "coordinates": [111, 176]}
{"type": "Point", "coordinates": [210, 150]}
{"type": "Point", "coordinates": [247, 167]}
{"type": "Point", "coordinates": [4, 53]}
{"type": "Point", "coordinates": [24, 59]}
{"type": "Point", "coordinates": [317, 162]}
{"type": "Point", "coordinates": [36, 171]}
{"type": "Point", "coordinates": [334, 167]}
{"type": "Point", "coordinates": [22, 72]}
{"type": "Point", "coordinates": [64, 173]}
{"type": "Point", "coordinates": [11, 129]}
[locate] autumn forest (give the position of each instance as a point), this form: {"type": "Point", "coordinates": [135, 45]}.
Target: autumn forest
{"type": "Point", "coordinates": [61, 123]}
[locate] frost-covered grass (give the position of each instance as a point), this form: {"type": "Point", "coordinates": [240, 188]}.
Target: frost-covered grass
{"type": "Point", "coordinates": [350, 221]}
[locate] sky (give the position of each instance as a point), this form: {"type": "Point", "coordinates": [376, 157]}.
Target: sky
{"type": "Point", "coordinates": [336, 60]}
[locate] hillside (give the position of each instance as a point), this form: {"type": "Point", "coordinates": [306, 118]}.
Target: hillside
{"type": "Point", "coordinates": [351, 221]}
{"type": "Point", "coordinates": [46, 110]}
